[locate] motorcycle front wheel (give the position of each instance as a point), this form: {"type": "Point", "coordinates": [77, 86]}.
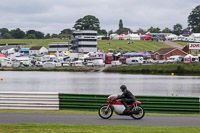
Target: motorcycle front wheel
{"type": "Point", "coordinates": [105, 112]}
{"type": "Point", "coordinates": [137, 112]}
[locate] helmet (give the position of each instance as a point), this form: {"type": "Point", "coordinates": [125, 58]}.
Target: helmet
{"type": "Point", "coordinates": [123, 87]}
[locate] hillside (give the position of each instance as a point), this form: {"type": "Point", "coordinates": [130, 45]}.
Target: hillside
{"type": "Point", "coordinates": [139, 45]}
{"type": "Point", "coordinates": [32, 42]}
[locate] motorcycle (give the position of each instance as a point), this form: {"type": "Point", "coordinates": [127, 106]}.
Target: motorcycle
{"type": "Point", "coordinates": [106, 110]}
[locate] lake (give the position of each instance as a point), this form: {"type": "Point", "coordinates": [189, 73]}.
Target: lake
{"type": "Point", "coordinates": [99, 83]}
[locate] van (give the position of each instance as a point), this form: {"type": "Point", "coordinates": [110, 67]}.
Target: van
{"type": "Point", "coordinates": [135, 60]}
{"type": "Point", "coordinates": [175, 59]}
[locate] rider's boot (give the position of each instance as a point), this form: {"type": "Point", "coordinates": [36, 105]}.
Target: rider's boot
{"type": "Point", "coordinates": [127, 110]}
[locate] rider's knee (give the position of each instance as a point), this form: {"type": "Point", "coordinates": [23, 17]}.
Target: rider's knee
{"type": "Point", "coordinates": [122, 100]}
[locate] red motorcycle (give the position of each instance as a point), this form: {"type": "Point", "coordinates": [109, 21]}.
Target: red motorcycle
{"type": "Point", "coordinates": [106, 110]}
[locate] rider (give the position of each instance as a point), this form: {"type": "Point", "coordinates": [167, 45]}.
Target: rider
{"type": "Point", "coordinates": [126, 98]}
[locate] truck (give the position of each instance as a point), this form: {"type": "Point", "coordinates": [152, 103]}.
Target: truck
{"type": "Point", "coordinates": [108, 58]}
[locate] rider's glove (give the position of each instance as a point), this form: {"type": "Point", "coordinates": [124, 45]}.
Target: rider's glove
{"type": "Point", "coordinates": [114, 100]}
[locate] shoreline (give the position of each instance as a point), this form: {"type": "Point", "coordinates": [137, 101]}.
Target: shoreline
{"type": "Point", "coordinates": [155, 69]}
{"type": "Point", "coordinates": [61, 69]}
{"type": "Point", "coordinates": [158, 69]}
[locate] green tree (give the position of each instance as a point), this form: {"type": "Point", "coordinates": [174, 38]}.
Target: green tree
{"type": "Point", "coordinates": [30, 32]}
{"type": "Point", "coordinates": [102, 32]}
{"type": "Point", "coordinates": [7, 36]}
{"type": "Point", "coordinates": [123, 30]}
{"type": "Point", "coordinates": [140, 30]}
{"type": "Point", "coordinates": [47, 36]}
{"type": "Point", "coordinates": [17, 33]}
{"type": "Point", "coordinates": [66, 31]}
{"type": "Point", "coordinates": [31, 36]}
{"type": "Point", "coordinates": [120, 24]}
{"type": "Point", "coordinates": [88, 22]}
{"type": "Point", "coordinates": [194, 18]}
{"type": "Point", "coordinates": [197, 29]}
{"type": "Point", "coordinates": [110, 32]}
{"type": "Point", "coordinates": [39, 35]}
{"type": "Point", "coordinates": [3, 31]}
{"type": "Point", "coordinates": [166, 30]}
{"type": "Point", "coordinates": [154, 30]}
{"type": "Point", "coordinates": [54, 36]}
{"type": "Point", "coordinates": [178, 29]}
{"type": "Point", "coordinates": [186, 30]}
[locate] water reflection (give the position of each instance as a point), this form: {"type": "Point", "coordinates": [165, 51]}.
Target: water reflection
{"type": "Point", "coordinates": [100, 83]}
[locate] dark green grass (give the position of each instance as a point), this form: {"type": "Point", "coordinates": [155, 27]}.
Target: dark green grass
{"type": "Point", "coordinates": [180, 69]}
{"type": "Point", "coordinates": [137, 45]}
{"type": "Point", "coordinates": [32, 42]}
{"type": "Point", "coordinates": [72, 128]}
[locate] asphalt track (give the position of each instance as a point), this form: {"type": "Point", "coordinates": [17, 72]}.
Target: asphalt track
{"type": "Point", "coordinates": [148, 120]}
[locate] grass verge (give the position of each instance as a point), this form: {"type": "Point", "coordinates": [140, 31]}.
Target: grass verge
{"type": "Point", "coordinates": [75, 112]}
{"type": "Point", "coordinates": [83, 128]}
{"type": "Point", "coordinates": [180, 69]}
{"type": "Point", "coordinates": [71, 69]}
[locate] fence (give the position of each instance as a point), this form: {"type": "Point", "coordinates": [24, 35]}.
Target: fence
{"type": "Point", "coordinates": [62, 101]}
{"type": "Point", "coordinates": [161, 104]}
{"type": "Point", "coordinates": [29, 100]}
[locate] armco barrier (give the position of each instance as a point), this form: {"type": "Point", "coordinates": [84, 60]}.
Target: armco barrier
{"type": "Point", "coordinates": [161, 104]}
{"type": "Point", "coordinates": [29, 100]}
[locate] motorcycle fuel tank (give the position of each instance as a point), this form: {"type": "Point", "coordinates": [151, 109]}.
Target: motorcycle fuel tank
{"type": "Point", "coordinates": [119, 109]}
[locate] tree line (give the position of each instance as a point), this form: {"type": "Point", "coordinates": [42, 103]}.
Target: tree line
{"type": "Point", "coordinates": [90, 22]}
{"type": "Point", "coordinates": [31, 34]}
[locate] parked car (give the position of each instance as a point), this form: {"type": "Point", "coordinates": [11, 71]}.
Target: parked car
{"type": "Point", "coordinates": [99, 62]}
{"type": "Point", "coordinates": [96, 62]}
{"type": "Point", "coordinates": [152, 61]}
{"type": "Point", "coordinates": [49, 65]}
{"type": "Point", "coordinates": [90, 63]}
{"type": "Point", "coordinates": [162, 61]}
{"type": "Point", "coordinates": [116, 63]}
{"type": "Point", "coordinates": [78, 63]}
{"type": "Point", "coordinates": [123, 60]}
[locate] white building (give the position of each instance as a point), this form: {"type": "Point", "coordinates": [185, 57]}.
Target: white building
{"type": "Point", "coordinates": [84, 41]}
{"type": "Point", "coordinates": [58, 46]}
{"type": "Point", "coordinates": [38, 50]}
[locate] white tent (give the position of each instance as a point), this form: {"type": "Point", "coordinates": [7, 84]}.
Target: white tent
{"type": "Point", "coordinates": [171, 36]}
{"type": "Point", "coordinates": [195, 35]}
{"type": "Point", "coordinates": [114, 36]}
{"type": "Point", "coordinates": [131, 37]}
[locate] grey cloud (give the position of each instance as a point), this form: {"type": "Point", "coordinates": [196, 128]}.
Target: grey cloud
{"type": "Point", "coordinates": [53, 16]}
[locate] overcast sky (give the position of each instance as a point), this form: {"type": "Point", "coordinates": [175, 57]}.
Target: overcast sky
{"type": "Point", "coordinates": [52, 16]}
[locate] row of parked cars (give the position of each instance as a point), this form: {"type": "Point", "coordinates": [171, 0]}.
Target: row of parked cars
{"type": "Point", "coordinates": [172, 59]}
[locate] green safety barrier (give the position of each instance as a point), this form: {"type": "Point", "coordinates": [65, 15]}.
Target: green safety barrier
{"type": "Point", "coordinates": [157, 104]}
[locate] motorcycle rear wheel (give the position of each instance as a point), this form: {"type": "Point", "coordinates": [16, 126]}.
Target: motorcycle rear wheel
{"type": "Point", "coordinates": [137, 112]}
{"type": "Point", "coordinates": [105, 112]}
